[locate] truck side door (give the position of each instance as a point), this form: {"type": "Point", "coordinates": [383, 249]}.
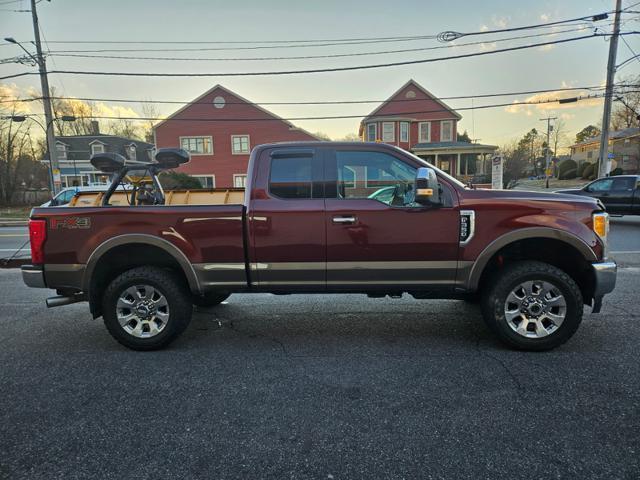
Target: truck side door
{"type": "Point", "coordinates": [285, 215]}
{"type": "Point", "coordinates": [377, 237]}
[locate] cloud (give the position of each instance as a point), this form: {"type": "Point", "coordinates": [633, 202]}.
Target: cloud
{"type": "Point", "coordinates": [556, 95]}
{"type": "Point", "coordinates": [10, 93]}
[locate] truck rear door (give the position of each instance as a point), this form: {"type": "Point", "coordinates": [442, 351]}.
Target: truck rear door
{"type": "Point", "coordinates": [378, 237]}
{"type": "Point", "coordinates": [286, 220]}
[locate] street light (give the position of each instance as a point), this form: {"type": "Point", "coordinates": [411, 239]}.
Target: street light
{"type": "Point", "coordinates": [15, 42]}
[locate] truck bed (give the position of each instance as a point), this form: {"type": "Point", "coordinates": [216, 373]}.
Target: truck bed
{"type": "Point", "coordinates": [230, 196]}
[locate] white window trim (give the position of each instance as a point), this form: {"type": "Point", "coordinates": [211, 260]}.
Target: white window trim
{"type": "Point", "coordinates": [61, 154]}
{"type": "Point", "coordinates": [393, 132]}
{"type": "Point", "coordinates": [375, 132]}
{"type": "Point", "coordinates": [238, 175]}
{"type": "Point", "coordinates": [248, 144]}
{"type": "Point", "coordinates": [442, 139]}
{"type": "Point", "coordinates": [97, 144]}
{"type": "Point", "coordinates": [424, 140]}
{"type": "Point", "coordinates": [400, 132]}
{"type": "Point", "coordinates": [212, 177]}
{"type": "Point", "coordinates": [198, 136]}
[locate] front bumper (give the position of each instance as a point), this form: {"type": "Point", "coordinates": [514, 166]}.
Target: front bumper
{"type": "Point", "coordinates": [604, 274]}
{"type": "Point", "coordinates": [33, 276]}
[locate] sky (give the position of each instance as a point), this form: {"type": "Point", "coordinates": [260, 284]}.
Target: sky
{"type": "Point", "coordinates": [581, 63]}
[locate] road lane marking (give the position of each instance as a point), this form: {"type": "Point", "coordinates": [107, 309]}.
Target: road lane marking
{"type": "Point", "coordinates": [14, 249]}
{"type": "Point", "coordinates": [14, 235]}
{"type": "Point", "coordinates": [624, 251]}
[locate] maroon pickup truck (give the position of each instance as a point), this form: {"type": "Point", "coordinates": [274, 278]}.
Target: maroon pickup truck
{"type": "Point", "coordinates": [326, 217]}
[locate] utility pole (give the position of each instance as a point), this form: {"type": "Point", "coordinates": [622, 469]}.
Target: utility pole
{"type": "Point", "coordinates": [46, 100]}
{"type": "Point", "coordinates": [603, 167]}
{"type": "Point", "coordinates": [546, 152]}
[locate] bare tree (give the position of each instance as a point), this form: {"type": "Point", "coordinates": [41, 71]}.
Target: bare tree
{"type": "Point", "coordinates": [626, 106]}
{"type": "Point", "coordinates": [559, 136]}
{"type": "Point", "coordinates": [351, 137]}
{"type": "Point", "coordinates": [123, 127]}
{"type": "Point", "coordinates": [149, 110]}
{"type": "Point", "coordinates": [15, 143]}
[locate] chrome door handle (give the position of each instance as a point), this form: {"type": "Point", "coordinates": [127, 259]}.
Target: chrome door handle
{"type": "Point", "coordinates": [344, 219]}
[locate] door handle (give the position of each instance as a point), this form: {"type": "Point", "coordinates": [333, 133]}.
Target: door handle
{"type": "Point", "coordinates": [343, 220]}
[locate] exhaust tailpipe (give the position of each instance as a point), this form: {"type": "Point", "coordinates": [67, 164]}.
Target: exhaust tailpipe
{"type": "Point", "coordinates": [61, 300]}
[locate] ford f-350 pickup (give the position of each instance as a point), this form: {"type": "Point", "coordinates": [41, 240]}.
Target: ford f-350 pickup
{"type": "Point", "coordinates": [325, 217]}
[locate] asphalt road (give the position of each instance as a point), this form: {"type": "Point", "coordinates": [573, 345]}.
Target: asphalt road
{"type": "Point", "coordinates": [321, 387]}
{"type": "Point", "coordinates": [625, 237]}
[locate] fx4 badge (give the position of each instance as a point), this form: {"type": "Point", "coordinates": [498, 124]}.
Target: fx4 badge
{"type": "Point", "coordinates": [70, 223]}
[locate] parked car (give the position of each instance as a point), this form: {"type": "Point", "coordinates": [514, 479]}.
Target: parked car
{"type": "Point", "coordinates": [620, 194]}
{"type": "Point", "coordinates": [307, 225]}
{"type": "Point", "coordinates": [66, 194]}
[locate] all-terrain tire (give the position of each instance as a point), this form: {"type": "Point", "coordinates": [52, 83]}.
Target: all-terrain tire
{"type": "Point", "coordinates": [503, 283]}
{"type": "Point", "coordinates": [169, 291]}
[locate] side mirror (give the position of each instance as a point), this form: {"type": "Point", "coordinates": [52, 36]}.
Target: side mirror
{"type": "Point", "coordinates": [427, 187]}
{"type": "Point", "coordinates": [172, 157]}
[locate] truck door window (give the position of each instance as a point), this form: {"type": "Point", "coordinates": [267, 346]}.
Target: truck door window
{"type": "Point", "coordinates": [622, 184]}
{"type": "Point", "coordinates": [375, 175]}
{"type": "Point", "coordinates": [291, 177]}
{"type": "Point", "coordinates": [601, 185]}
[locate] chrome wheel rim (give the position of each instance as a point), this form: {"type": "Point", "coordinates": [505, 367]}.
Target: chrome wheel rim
{"type": "Point", "coordinates": [535, 309]}
{"type": "Point", "coordinates": [142, 311]}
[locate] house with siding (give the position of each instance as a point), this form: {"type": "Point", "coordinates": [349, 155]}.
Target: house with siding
{"type": "Point", "coordinates": [624, 147]}
{"type": "Point", "coordinates": [219, 129]}
{"type": "Point", "coordinates": [417, 121]}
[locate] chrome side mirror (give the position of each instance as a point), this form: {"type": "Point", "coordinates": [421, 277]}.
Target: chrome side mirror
{"type": "Point", "coordinates": [426, 187]}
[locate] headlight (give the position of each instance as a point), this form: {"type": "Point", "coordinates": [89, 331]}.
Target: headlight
{"type": "Point", "coordinates": [601, 225]}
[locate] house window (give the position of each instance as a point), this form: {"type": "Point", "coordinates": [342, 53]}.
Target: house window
{"type": "Point", "coordinates": [388, 132]}
{"type": "Point", "coordinates": [197, 145]}
{"type": "Point", "coordinates": [424, 132]}
{"type": "Point", "coordinates": [61, 149]}
{"type": "Point", "coordinates": [372, 132]}
{"type": "Point", "coordinates": [404, 131]}
{"type": "Point", "coordinates": [207, 181]}
{"type": "Point", "coordinates": [97, 148]}
{"type": "Point", "coordinates": [240, 144]}
{"type": "Point", "coordinates": [446, 131]}
{"type": "Point", "coordinates": [131, 152]}
{"type": "Point", "coordinates": [239, 180]}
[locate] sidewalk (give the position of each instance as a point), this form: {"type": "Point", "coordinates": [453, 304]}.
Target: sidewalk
{"type": "Point", "coordinates": [554, 184]}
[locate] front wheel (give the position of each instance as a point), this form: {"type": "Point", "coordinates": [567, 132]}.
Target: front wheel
{"type": "Point", "coordinates": [533, 306]}
{"type": "Point", "coordinates": [146, 308]}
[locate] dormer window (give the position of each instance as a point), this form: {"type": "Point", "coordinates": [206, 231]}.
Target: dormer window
{"type": "Point", "coordinates": [131, 151]}
{"type": "Point", "coordinates": [61, 150]}
{"type": "Point", "coordinates": [97, 148]}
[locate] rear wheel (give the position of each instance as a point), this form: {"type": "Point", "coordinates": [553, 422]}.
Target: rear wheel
{"type": "Point", "coordinates": [146, 308]}
{"type": "Point", "coordinates": [210, 299]}
{"type": "Point", "coordinates": [533, 306]}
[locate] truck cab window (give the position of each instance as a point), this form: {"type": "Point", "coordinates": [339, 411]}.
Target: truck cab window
{"type": "Point", "coordinates": [623, 184]}
{"type": "Point", "coordinates": [291, 177]}
{"type": "Point", "coordinates": [601, 185]}
{"type": "Point", "coordinates": [375, 175]}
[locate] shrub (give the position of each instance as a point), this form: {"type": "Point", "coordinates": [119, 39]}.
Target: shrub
{"type": "Point", "coordinates": [568, 174]}
{"type": "Point", "coordinates": [175, 180]}
{"type": "Point", "coordinates": [565, 166]}
{"type": "Point", "coordinates": [616, 171]}
{"type": "Point", "coordinates": [581, 168]}
{"type": "Point", "coordinates": [589, 171]}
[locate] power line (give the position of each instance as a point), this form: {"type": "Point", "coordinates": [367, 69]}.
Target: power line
{"type": "Point", "coordinates": [335, 117]}
{"type": "Point", "coordinates": [305, 57]}
{"type": "Point", "coordinates": [315, 70]}
{"type": "Point", "coordinates": [324, 102]}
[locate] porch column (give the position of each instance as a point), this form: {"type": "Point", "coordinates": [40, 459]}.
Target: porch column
{"type": "Point", "coordinates": [458, 165]}
{"type": "Point", "coordinates": [435, 161]}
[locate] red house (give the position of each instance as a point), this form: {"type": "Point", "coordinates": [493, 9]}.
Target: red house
{"type": "Point", "coordinates": [417, 121]}
{"type": "Point", "coordinates": [219, 128]}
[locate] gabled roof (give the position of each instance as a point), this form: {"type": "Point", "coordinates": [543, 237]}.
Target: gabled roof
{"type": "Point", "coordinates": [613, 135]}
{"type": "Point", "coordinates": [416, 85]}
{"type": "Point", "coordinates": [224, 89]}
{"type": "Point", "coordinates": [79, 146]}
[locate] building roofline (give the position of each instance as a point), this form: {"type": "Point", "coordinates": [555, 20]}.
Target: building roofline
{"type": "Point", "coordinates": [421, 88]}
{"type": "Point", "coordinates": [230, 92]}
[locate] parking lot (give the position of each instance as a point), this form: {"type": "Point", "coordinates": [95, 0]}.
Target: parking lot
{"type": "Point", "coordinates": [318, 387]}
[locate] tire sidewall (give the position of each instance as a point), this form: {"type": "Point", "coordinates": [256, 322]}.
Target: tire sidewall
{"type": "Point", "coordinates": [509, 281]}
{"type": "Point", "coordinates": [166, 284]}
